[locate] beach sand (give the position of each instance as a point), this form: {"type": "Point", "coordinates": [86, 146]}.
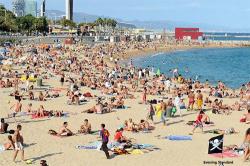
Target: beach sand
{"type": "Point", "coordinates": [61, 151]}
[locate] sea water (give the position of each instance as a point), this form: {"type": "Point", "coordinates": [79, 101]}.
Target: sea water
{"type": "Point", "coordinates": [230, 65]}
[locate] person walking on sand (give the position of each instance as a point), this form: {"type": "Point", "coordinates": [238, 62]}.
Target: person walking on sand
{"type": "Point", "coordinates": [199, 100]}
{"type": "Point", "coordinates": [18, 139]}
{"type": "Point", "coordinates": [201, 118]}
{"type": "Point", "coordinates": [16, 108]}
{"type": "Point", "coordinates": [104, 133]}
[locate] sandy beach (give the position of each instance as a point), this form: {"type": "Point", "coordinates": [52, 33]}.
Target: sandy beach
{"type": "Point", "coordinates": [39, 145]}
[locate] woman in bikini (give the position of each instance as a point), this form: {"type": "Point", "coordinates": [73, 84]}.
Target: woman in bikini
{"type": "Point", "coordinates": [247, 145]}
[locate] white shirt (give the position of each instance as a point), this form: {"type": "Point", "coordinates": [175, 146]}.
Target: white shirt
{"type": "Point", "coordinates": [168, 83]}
{"type": "Point", "coordinates": [177, 101]}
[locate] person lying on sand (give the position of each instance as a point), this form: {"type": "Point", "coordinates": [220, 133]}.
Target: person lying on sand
{"type": "Point", "coordinates": [64, 131]}
{"type": "Point", "coordinates": [228, 131]}
{"type": "Point", "coordinates": [85, 128]}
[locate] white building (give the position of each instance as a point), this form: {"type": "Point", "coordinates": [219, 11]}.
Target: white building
{"type": "Point", "coordinates": [69, 9]}
{"type": "Point", "coordinates": [43, 6]}
{"type": "Point", "coordinates": [18, 7]}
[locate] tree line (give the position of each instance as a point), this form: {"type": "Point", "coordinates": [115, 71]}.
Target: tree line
{"type": "Point", "coordinates": [29, 24]}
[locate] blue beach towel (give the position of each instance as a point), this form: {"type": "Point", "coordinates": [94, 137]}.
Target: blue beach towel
{"type": "Point", "coordinates": [86, 147]}
{"type": "Point", "coordinates": [179, 138]}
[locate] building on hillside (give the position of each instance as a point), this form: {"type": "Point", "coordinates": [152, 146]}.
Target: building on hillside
{"type": "Point", "coordinates": [18, 7]}
{"type": "Point", "coordinates": [188, 34]}
{"type": "Point", "coordinates": [30, 7]}
{"type": "Point", "coordinates": [69, 9]}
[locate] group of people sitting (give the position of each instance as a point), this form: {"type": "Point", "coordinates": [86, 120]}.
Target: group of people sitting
{"type": "Point", "coordinates": [64, 131]}
{"type": "Point", "coordinates": [143, 125]}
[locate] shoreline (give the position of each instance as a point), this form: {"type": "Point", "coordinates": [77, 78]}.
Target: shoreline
{"type": "Point", "coordinates": [134, 53]}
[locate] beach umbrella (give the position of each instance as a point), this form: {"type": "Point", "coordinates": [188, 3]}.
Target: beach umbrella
{"type": "Point", "coordinates": [158, 73]}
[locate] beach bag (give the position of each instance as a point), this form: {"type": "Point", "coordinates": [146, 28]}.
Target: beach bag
{"type": "Point", "coordinates": [174, 110]}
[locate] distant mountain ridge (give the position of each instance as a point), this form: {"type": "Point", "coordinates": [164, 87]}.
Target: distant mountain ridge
{"type": "Point", "coordinates": [154, 25]}
{"type": "Point", "coordinates": [83, 17]}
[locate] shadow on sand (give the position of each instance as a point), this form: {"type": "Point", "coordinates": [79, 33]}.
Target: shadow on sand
{"type": "Point", "coordinates": [44, 156]}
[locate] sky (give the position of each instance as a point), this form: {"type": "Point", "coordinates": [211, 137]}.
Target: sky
{"type": "Point", "coordinates": [228, 13]}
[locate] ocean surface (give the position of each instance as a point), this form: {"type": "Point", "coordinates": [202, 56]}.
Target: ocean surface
{"type": "Point", "coordinates": [227, 36]}
{"type": "Point", "coordinates": [230, 65]}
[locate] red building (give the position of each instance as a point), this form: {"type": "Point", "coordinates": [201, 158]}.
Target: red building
{"type": "Point", "coordinates": [187, 33]}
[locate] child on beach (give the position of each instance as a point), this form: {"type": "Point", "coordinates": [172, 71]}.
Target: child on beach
{"type": "Point", "coordinates": [202, 117]}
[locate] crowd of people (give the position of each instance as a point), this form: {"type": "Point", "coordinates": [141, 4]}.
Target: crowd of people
{"type": "Point", "coordinates": [97, 68]}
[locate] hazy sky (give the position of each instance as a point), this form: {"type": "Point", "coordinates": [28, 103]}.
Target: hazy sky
{"type": "Point", "coordinates": [230, 13]}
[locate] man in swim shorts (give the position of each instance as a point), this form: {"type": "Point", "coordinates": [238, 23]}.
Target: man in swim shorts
{"type": "Point", "coordinates": [18, 139]}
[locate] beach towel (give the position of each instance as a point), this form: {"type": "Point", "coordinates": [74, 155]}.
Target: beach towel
{"type": "Point", "coordinates": [33, 116]}
{"type": "Point", "coordinates": [225, 154]}
{"type": "Point", "coordinates": [86, 147]}
{"type": "Point", "coordinates": [96, 132]}
{"type": "Point", "coordinates": [136, 152]}
{"type": "Point", "coordinates": [142, 146]}
{"type": "Point", "coordinates": [97, 145]}
{"type": "Point", "coordinates": [179, 138]}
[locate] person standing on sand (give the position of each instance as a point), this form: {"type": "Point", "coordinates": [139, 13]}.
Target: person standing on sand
{"type": "Point", "coordinates": [163, 112]}
{"type": "Point", "coordinates": [104, 133]}
{"type": "Point", "coordinates": [62, 79]}
{"type": "Point", "coordinates": [191, 98]}
{"type": "Point", "coordinates": [177, 102]}
{"type": "Point", "coordinates": [18, 139]}
{"type": "Point", "coordinates": [151, 112]}
{"type": "Point", "coordinates": [16, 107]}
{"type": "Point", "coordinates": [201, 118]}
{"type": "Point", "coordinates": [199, 100]}
{"type": "Point", "coordinates": [144, 96]}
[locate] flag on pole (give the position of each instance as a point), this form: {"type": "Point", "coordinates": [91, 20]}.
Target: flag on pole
{"type": "Point", "coordinates": [216, 144]}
